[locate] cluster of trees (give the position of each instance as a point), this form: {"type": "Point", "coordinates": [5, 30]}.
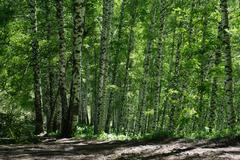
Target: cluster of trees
{"type": "Point", "coordinates": [129, 66]}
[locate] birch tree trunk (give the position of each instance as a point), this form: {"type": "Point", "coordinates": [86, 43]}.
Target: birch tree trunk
{"type": "Point", "coordinates": [62, 66]}
{"type": "Point", "coordinates": [171, 65]}
{"type": "Point", "coordinates": [214, 83]}
{"type": "Point", "coordinates": [85, 118]}
{"type": "Point", "coordinates": [115, 68]}
{"type": "Point", "coordinates": [125, 85]}
{"type": "Point", "coordinates": [78, 30]}
{"type": "Point", "coordinates": [104, 46]}
{"type": "Point", "coordinates": [36, 69]}
{"type": "Point", "coordinates": [159, 67]}
{"type": "Point", "coordinates": [142, 92]}
{"type": "Point", "coordinates": [175, 86]}
{"type": "Point", "coordinates": [202, 74]}
{"type": "Point", "coordinates": [226, 47]}
{"type": "Point", "coordinates": [50, 76]}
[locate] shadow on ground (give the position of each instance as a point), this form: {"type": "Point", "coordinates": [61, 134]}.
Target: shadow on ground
{"type": "Point", "coordinates": [168, 149]}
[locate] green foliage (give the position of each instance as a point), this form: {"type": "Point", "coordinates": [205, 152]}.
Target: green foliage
{"type": "Point", "coordinates": [85, 132]}
{"type": "Point", "coordinates": [55, 134]}
{"type": "Point", "coordinates": [182, 85]}
{"type": "Point", "coordinates": [112, 137]}
{"type": "Point", "coordinates": [17, 126]}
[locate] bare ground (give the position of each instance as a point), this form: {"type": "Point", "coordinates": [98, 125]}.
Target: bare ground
{"type": "Point", "coordinates": [168, 149]}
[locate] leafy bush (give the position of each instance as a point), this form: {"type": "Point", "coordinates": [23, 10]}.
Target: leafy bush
{"type": "Point", "coordinates": [87, 132]}
{"type": "Point", "coordinates": [17, 126]}
{"type": "Point", "coordinates": [54, 134]}
{"type": "Point", "coordinates": [84, 132]}
{"type": "Point", "coordinates": [112, 137]}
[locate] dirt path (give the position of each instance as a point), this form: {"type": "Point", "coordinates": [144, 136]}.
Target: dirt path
{"type": "Point", "coordinates": [70, 149]}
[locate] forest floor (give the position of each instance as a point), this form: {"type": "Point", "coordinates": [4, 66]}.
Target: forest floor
{"type": "Point", "coordinates": [168, 149]}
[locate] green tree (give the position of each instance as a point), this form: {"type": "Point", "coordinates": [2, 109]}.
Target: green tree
{"type": "Point", "coordinates": [79, 14]}
{"type": "Point", "coordinates": [36, 69]}
{"type": "Point", "coordinates": [226, 46]}
{"type": "Point", "coordinates": [62, 67]}
{"type": "Point", "coordinates": [104, 47]}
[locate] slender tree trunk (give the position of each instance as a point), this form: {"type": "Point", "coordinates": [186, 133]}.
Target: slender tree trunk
{"type": "Point", "coordinates": [142, 92]}
{"type": "Point", "coordinates": [115, 68]}
{"type": "Point", "coordinates": [175, 86]}
{"type": "Point", "coordinates": [78, 18]}
{"type": "Point", "coordinates": [86, 91]}
{"type": "Point", "coordinates": [214, 83]}
{"type": "Point", "coordinates": [50, 76]}
{"type": "Point", "coordinates": [83, 113]}
{"type": "Point", "coordinates": [62, 67]}
{"type": "Point", "coordinates": [171, 65]}
{"type": "Point", "coordinates": [226, 47]}
{"type": "Point", "coordinates": [202, 74]}
{"type": "Point", "coordinates": [159, 67]}
{"type": "Point", "coordinates": [105, 37]}
{"type": "Point", "coordinates": [94, 94]}
{"type": "Point", "coordinates": [54, 124]}
{"type": "Point", "coordinates": [36, 69]}
{"type": "Point", "coordinates": [125, 86]}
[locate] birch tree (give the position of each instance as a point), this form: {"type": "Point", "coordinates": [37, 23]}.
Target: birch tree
{"type": "Point", "coordinates": [62, 66]}
{"type": "Point", "coordinates": [78, 30]}
{"type": "Point", "coordinates": [36, 68]}
{"type": "Point", "coordinates": [104, 48]}
{"type": "Point", "coordinates": [115, 67]}
{"type": "Point", "coordinates": [226, 47]}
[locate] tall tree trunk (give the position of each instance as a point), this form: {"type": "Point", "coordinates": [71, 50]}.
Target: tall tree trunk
{"type": "Point", "coordinates": [159, 67]}
{"type": "Point", "coordinates": [50, 76]}
{"type": "Point", "coordinates": [94, 94]}
{"type": "Point", "coordinates": [83, 113]}
{"type": "Point", "coordinates": [171, 65]}
{"type": "Point", "coordinates": [85, 120]}
{"type": "Point", "coordinates": [214, 83]}
{"type": "Point", "coordinates": [36, 69]}
{"type": "Point", "coordinates": [62, 67]}
{"type": "Point", "coordinates": [142, 92]}
{"type": "Point", "coordinates": [78, 18]}
{"type": "Point", "coordinates": [125, 85]}
{"type": "Point", "coordinates": [226, 46]}
{"type": "Point", "coordinates": [115, 68]}
{"type": "Point", "coordinates": [175, 86]}
{"type": "Point", "coordinates": [104, 46]}
{"type": "Point", "coordinates": [202, 74]}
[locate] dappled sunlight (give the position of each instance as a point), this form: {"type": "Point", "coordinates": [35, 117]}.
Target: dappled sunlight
{"type": "Point", "coordinates": [119, 80]}
{"type": "Point", "coordinates": [83, 150]}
